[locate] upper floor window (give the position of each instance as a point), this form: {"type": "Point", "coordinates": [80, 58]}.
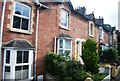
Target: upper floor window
{"type": "Point", "coordinates": [21, 17]}
{"type": "Point", "coordinates": [64, 21]}
{"type": "Point", "coordinates": [91, 29]}
{"type": "Point", "coordinates": [101, 33]}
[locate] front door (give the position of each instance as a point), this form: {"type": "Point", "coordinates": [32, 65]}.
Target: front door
{"type": "Point", "coordinates": [79, 51]}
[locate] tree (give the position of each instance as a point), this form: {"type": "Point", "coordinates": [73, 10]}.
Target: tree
{"type": "Point", "coordinates": [90, 56]}
{"type": "Point", "coordinates": [110, 55]}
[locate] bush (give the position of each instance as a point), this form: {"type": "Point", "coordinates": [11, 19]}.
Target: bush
{"type": "Point", "coordinates": [63, 69]}
{"type": "Point", "coordinates": [73, 70]}
{"type": "Point", "coordinates": [55, 64]}
{"type": "Point", "coordinates": [90, 56]}
{"type": "Point", "coordinates": [110, 55]}
{"type": "Point", "coordinates": [99, 76]}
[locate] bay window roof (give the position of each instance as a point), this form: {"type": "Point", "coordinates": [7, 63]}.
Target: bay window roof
{"type": "Point", "coordinates": [18, 43]}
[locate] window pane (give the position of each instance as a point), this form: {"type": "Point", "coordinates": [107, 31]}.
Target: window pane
{"type": "Point", "coordinates": [68, 51]}
{"type": "Point", "coordinates": [8, 56]}
{"type": "Point", "coordinates": [16, 22]}
{"type": "Point", "coordinates": [60, 43]}
{"type": "Point", "coordinates": [91, 29]}
{"type": "Point", "coordinates": [64, 22]}
{"type": "Point", "coordinates": [25, 11]}
{"type": "Point", "coordinates": [64, 14]}
{"type": "Point", "coordinates": [25, 24]}
{"type": "Point", "coordinates": [60, 51]}
{"type": "Point", "coordinates": [19, 56]}
{"type": "Point", "coordinates": [18, 68]}
{"type": "Point", "coordinates": [67, 44]}
{"type": "Point", "coordinates": [7, 68]}
{"type": "Point", "coordinates": [18, 9]}
{"type": "Point", "coordinates": [64, 17]}
{"type": "Point", "coordinates": [25, 72]}
{"type": "Point", "coordinates": [26, 56]}
{"type": "Point", "coordinates": [21, 72]}
{"type": "Point", "coordinates": [7, 72]}
{"type": "Point", "coordinates": [18, 72]}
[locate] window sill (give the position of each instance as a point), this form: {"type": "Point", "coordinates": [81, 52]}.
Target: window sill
{"type": "Point", "coordinates": [64, 27]}
{"type": "Point", "coordinates": [20, 31]}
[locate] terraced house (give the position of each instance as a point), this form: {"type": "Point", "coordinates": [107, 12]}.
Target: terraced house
{"type": "Point", "coordinates": [32, 28]}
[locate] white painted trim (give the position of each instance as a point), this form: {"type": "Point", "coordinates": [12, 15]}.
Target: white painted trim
{"type": "Point", "coordinates": [55, 40]}
{"type": "Point", "coordinates": [13, 64]}
{"type": "Point", "coordinates": [91, 35]}
{"type": "Point", "coordinates": [101, 33]}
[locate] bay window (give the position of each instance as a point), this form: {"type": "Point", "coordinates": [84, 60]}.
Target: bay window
{"type": "Point", "coordinates": [18, 64]}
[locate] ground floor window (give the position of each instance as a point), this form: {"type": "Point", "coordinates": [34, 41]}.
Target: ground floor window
{"type": "Point", "coordinates": [64, 46]}
{"type": "Point", "coordinates": [18, 64]}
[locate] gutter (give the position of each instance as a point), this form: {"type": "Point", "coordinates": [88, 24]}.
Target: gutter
{"type": "Point", "coordinates": [1, 30]}
{"type": "Point", "coordinates": [36, 36]}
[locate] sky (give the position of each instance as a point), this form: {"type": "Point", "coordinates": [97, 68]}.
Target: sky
{"type": "Point", "coordinates": [108, 9]}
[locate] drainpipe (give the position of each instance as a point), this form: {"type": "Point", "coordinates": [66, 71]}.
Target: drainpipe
{"type": "Point", "coordinates": [36, 36]}
{"type": "Point", "coordinates": [1, 30]}
{"type": "Point", "coordinates": [36, 41]}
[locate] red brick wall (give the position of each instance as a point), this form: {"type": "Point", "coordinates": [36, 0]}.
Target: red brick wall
{"type": "Point", "coordinates": [106, 37]}
{"type": "Point", "coordinates": [49, 29]}
{"type": "Point", "coordinates": [0, 26]}
{"type": "Point", "coordinates": [0, 11]}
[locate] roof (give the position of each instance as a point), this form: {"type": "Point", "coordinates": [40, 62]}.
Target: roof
{"type": "Point", "coordinates": [99, 22]}
{"type": "Point", "coordinates": [107, 27]}
{"type": "Point", "coordinates": [90, 16]}
{"type": "Point", "coordinates": [18, 43]}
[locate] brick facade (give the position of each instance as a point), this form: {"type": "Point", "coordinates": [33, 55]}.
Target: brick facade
{"type": "Point", "coordinates": [48, 29]}
{"type": "Point", "coordinates": [1, 7]}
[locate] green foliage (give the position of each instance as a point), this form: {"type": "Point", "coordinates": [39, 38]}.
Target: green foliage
{"type": "Point", "coordinates": [99, 76]}
{"type": "Point", "coordinates": [63, 69]}
{"type": "Point", "coordinates": [118, 47]}
{"type": "Point", "coordinates": [110, 55]}
{"type": "Point", "coordinates": [90, 56]}
{"type": "Point", "coordinates": [73, 70]}
{"type": "Point", "coordinates": [55, 64]}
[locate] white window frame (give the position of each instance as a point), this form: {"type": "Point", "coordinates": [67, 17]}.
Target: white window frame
{"type": "Point", "coordinates": [58, 43]}
{"type": "Point", "coordinates": [29, 18]}
{"type": "Point", "coordinates": [13, 64]}
{"type": "Point", "coordinates": [61, 25]}
{"type": "Point", "coordinates": [91, 29]}
{"type": "Point", "coordinates": [101, 33]}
